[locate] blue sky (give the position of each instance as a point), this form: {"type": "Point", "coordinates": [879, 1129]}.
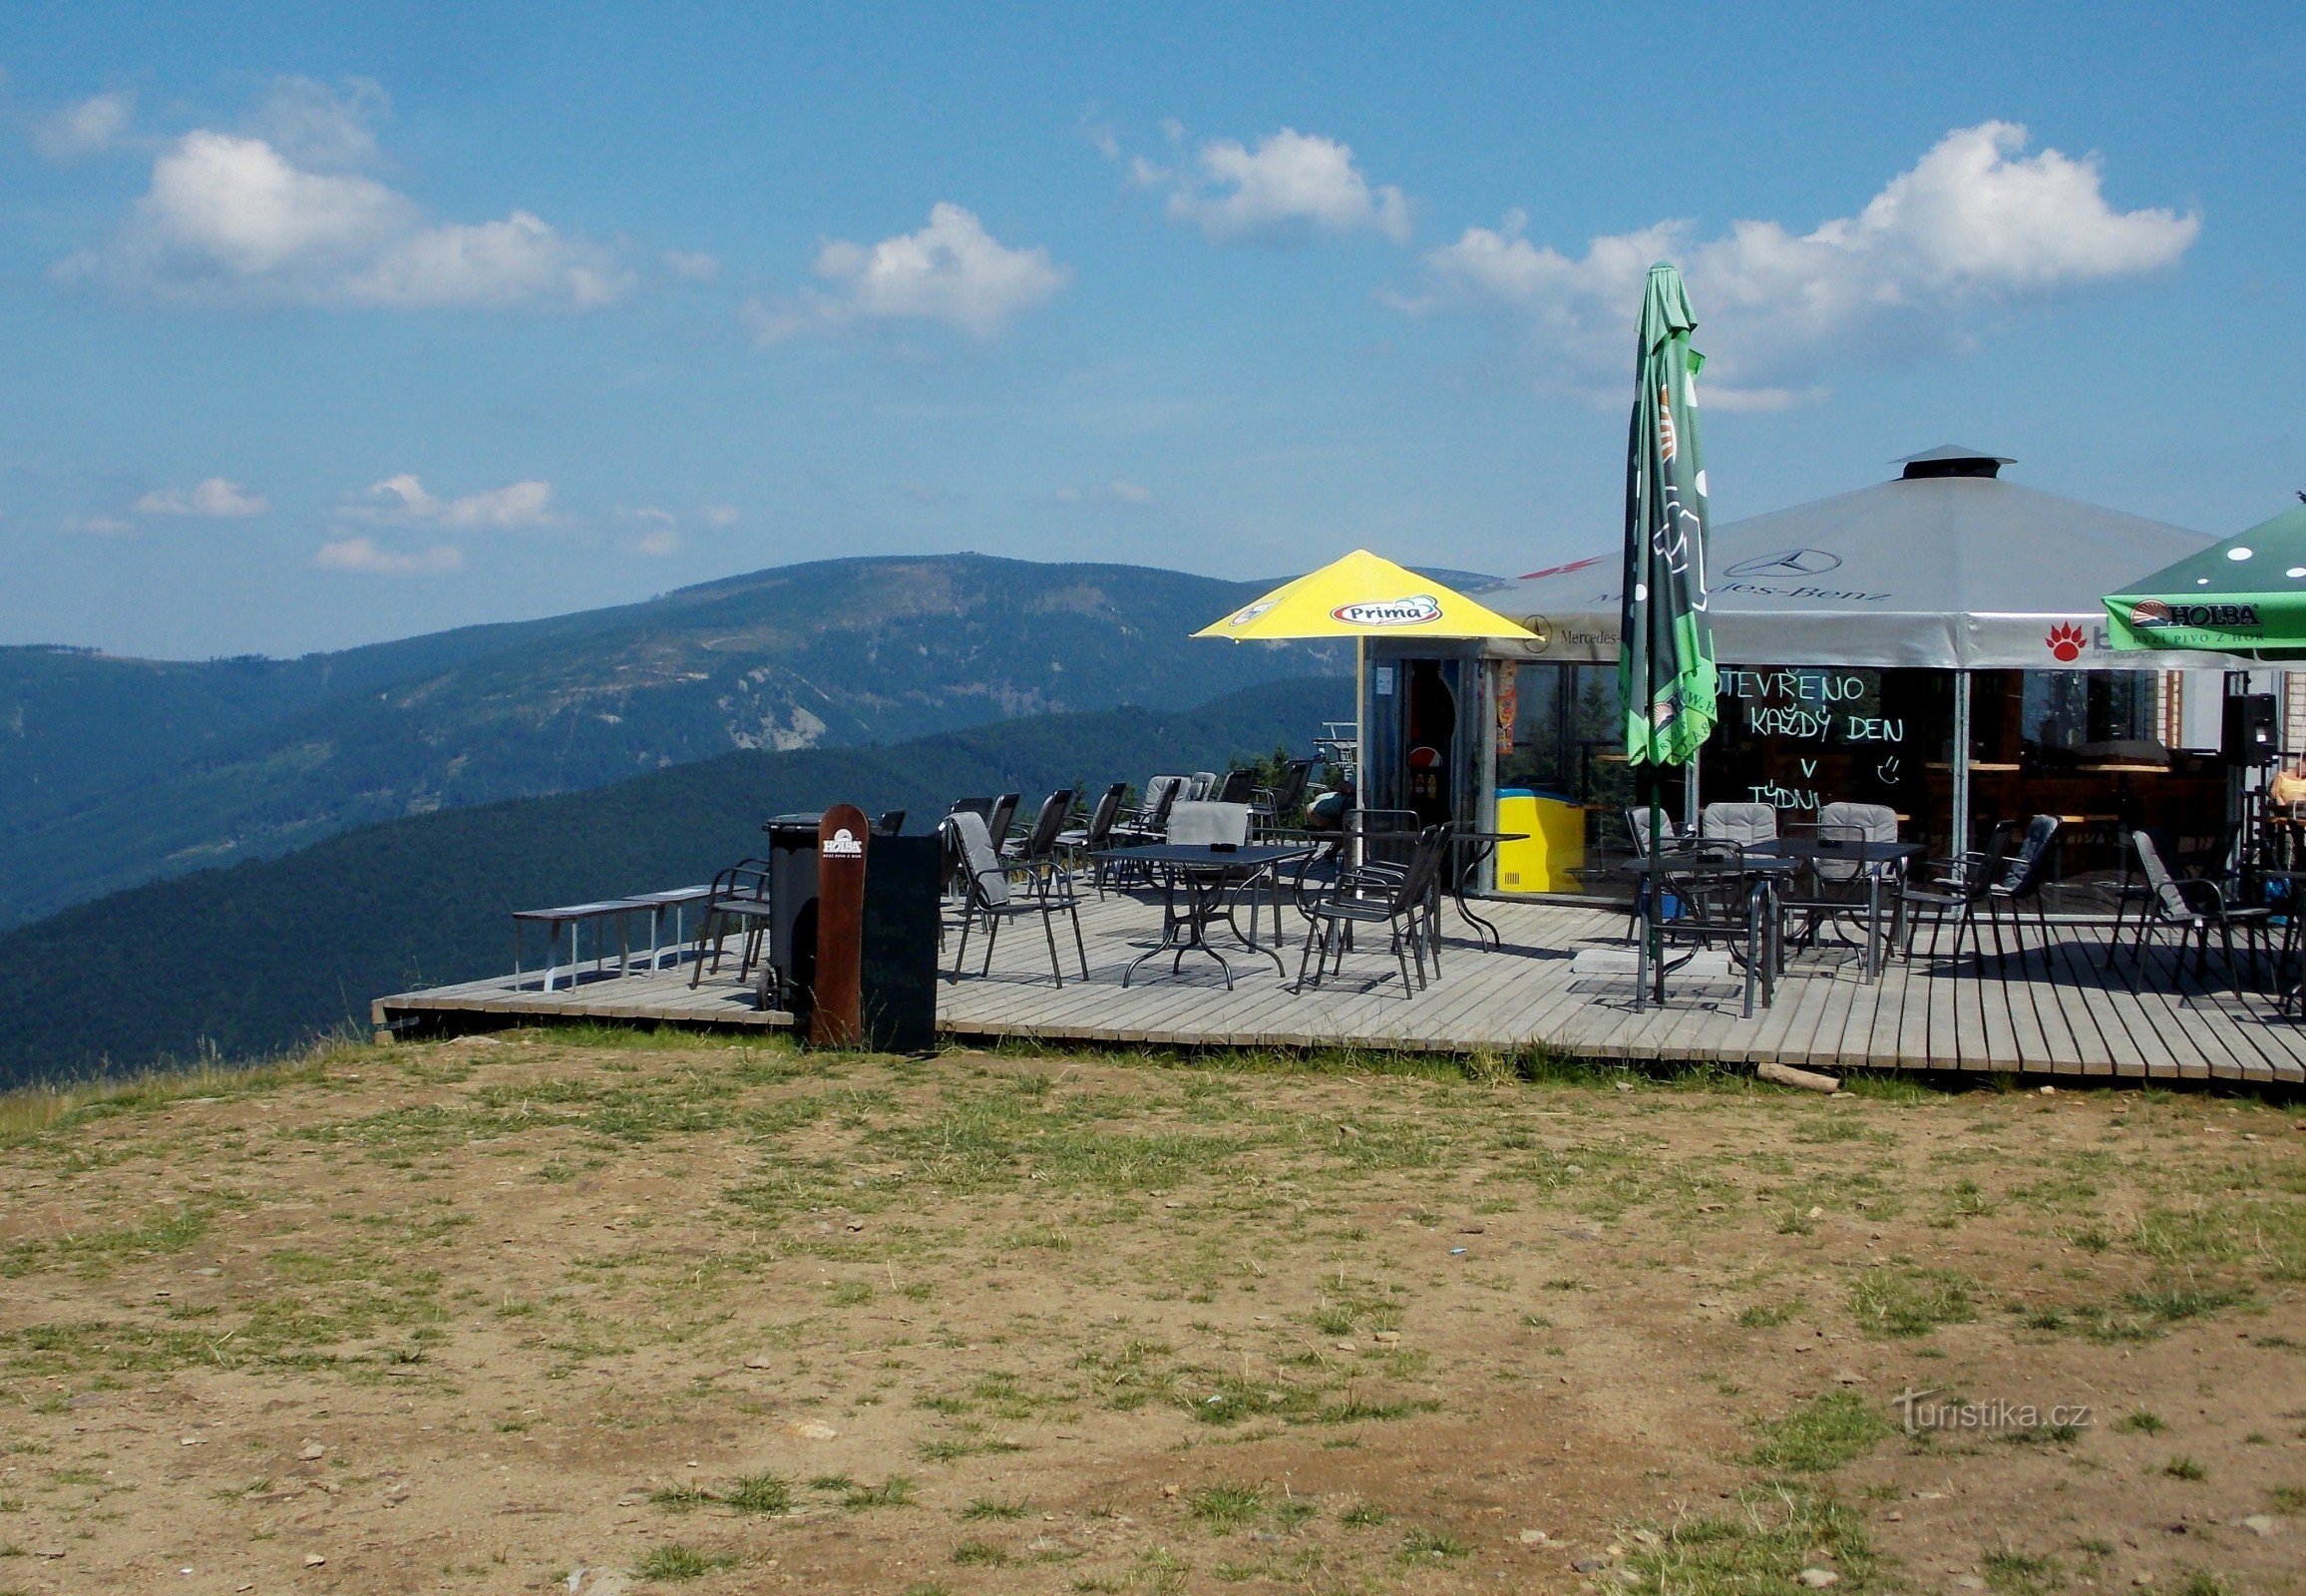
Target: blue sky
{"type": "Point", "coordinates": [318, 328]}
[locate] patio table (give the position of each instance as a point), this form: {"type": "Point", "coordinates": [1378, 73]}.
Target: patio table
{"type": "Point", "coordinates": [573, 915]}
{"type": "Point", "coordinates": [1193, 878]}
{"type": "Point", "coordinates": [679, 900]}
{"type": "Point", "coordinates": [1811, 849]}
{"type": "Point", "coordinates": [1478, 846]}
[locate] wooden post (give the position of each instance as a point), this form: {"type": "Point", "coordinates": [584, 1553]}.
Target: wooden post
{"type": "Point", "coordinates": [836, 1018]}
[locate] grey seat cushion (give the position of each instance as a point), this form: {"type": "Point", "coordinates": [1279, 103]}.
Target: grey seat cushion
{"type": "Point", "coordinates": [1739, 823]}
{"type": "Point", "coordinates": [1207, 823]}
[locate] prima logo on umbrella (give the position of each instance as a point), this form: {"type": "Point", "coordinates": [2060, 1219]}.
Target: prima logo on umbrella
{"type": "Point", "coordinates": [1411, 612]}
{"type": "Point", "coordinates": [1242, 617]}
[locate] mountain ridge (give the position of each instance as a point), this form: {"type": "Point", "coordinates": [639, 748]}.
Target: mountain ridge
{"type": "Point", "coordinates": [114, 770]}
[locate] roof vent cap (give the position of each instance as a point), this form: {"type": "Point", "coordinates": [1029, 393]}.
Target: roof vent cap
{"type": "Point", "coordinates": [1953, 460]}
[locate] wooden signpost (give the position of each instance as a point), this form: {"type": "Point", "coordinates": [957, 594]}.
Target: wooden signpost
{"type": "Point", "coordinates": [836, 1019]}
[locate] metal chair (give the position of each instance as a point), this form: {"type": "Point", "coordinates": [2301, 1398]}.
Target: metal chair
{"type": "Point", "coordinates": [1234, 787]}
{"type": "Point", "coordinates": [1373, 896]}
{"type": "Point", "coordinates": [1717, 903]}
{"type": "Point", "coordinates": [2195, 907]}
{"type": "Point", "coordinates": [1271, 808]}
{"type": "Point", "coordinates": [1000, 817]}
{"type": "Point", "coordinates": [1080, 841]}
{"type": "Point", "coordinates": [994, 897]}
{"type": "Point", "coordinates": [1839, 886]}
{"type": "Point", "coordinates": [1149, 821]}
{"type": "Point", "coordinates": [2007, 883]}
{"type": "Point", "coordinates": [739, 898]}
{"type": "Point", "coordinates": [1638, 828]}
{"type": "Point", "coordinates": [1210, 821]}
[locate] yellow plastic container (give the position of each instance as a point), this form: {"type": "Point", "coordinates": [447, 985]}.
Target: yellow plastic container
{"type": "Point", "coordinates": [1552, 850]}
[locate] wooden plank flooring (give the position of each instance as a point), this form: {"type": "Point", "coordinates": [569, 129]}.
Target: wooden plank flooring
{"type": "Point", "coordinates": [2055, 1012]}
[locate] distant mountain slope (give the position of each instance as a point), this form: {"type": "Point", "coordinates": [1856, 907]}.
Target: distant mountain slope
{"type": "Point", "coordinates": [117, 771]}
{"type": "Point", "coordinates": [252, 958]}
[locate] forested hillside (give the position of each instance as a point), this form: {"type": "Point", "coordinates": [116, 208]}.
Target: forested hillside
{"type": "Point", "coordinates": [250, 959]}
{"type": "Point", "coordinates": [116, 771]}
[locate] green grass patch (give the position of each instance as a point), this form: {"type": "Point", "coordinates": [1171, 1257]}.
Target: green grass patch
{"type": "Point", "coordinates": [2016, 1573]}
{"type": "Point", "coordinates": [1756, 1547]}
{"type": "Point", "coordinates": [1225, 1509]}
{"type": "Point", "coordinates": [1820, 1435]}
{"type": "Point", "coordinates": [1912, 1301]}
{"type": "Point", "coordinates": [673, 1562]}
{"type": "Point", "coordinates": [895, 1491]}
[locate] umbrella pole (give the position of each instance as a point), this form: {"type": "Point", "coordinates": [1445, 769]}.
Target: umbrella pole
{"type": "Point", "coordinates": [1361, 735]}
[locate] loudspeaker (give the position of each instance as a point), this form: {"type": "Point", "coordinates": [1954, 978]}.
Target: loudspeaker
{"type": "Point", "coordinates": [2250, 736]}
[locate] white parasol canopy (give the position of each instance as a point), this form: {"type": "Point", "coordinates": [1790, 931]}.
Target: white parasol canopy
{"type": "Point", "coordinates": [1946, 567]}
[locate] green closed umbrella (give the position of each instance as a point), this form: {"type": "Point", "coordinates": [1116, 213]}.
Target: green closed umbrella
{"type": "Point", "coordinates": [1665, 675]}
{"type": "Point", "coordinates": [2245, 596]}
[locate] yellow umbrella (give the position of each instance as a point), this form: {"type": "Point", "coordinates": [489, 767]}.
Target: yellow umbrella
{"type": "Point", "coordinates": [1363, 596]}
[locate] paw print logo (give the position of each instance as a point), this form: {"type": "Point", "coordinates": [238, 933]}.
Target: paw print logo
{"type": "Point", "coordinates": [2064, 643]}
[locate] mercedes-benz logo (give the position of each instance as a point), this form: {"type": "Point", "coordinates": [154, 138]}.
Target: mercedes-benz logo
{"type": "Point", "coordinates": [1787, 563]}
{"type": "Point", "coordinates": [1540, 633]}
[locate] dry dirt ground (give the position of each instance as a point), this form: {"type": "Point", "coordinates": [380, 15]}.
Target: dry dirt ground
{"type": "Point", "coordinates": [604, 1313]}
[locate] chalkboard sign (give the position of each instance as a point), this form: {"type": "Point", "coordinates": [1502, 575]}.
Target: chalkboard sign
{"type": "Point", "coordinates": [1798, 737]}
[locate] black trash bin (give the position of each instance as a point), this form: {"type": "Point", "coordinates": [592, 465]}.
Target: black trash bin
{"type": "Point", "coordinates": [793, 910]}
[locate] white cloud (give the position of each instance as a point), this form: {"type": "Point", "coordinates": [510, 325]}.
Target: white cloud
{"type": "Point", "coordinates": [363, 556]}
{"type": "Point", "coordinates": [719, 515]}
{"type": "Point", "coordinates": [951, 272]}
{"type": "Point", "coordinates": [314, 125]}
{"type": "Point", "coordinates": [659, 535]}
{"type": "Point", "coordinates": [91, 127]}
{"type": "Point", "coordinates": [692, 265]}
{"type": "Point", "coordinates": [271, 218]}
{"type": "Point", "coordinates": [403, 498]}
{"type": "Point", "coordinates": [1974, 226]}
{"type": "Point", "coordinates": [1292, 184]}
{"type": "Point", "coordinates": [1117, 491]}
{"type": "Point", "coordinates": [215, 498]}
{"type": "Point", "coordinates": [98, 526]}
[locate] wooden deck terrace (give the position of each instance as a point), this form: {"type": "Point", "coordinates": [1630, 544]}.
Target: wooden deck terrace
{"type": "Point", "coordinates": [1563, 981]}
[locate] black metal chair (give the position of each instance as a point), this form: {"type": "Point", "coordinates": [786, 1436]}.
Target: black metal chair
{"type": "Point", "coordinates": [1378, 895]}
{"type": "Point", "coordinates": [998, 818]}
{"type": "Point", "coordinates": [2195, 907]}
{"type": "Point", "coordinates": [2006, 884]}
{"type": "Point", "coordinates": [1271, 808]}
{"type": "Point", "coordinates": [739, 901]}
{"type": "Point", "coordinates": [1234, 787]}
{"type": "Point", "coordinates": [1838, 885]}
{"type": "Point", "coordinates": [993, 896]}
{"type": "Point", "coordinates": [1638, 829]}
{"type": "Point", "coordinates": [1080, 841]}
{"type": "Point", "coordinates": [1716, 903]}
{"type": "Point", "coordinates": [891, 823]}
{"type": "Point", "coordinates": [1952, 888]}
{"type": "Point", "coordinates": [1038, 846]}
{"type": "Point", "coordinates": [1149, 821]}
